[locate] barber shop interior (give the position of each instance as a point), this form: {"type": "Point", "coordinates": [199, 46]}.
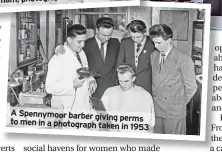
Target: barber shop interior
{"type": "Point", "coordinates": [35, 35]}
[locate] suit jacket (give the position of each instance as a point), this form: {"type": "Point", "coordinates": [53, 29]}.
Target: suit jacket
{"type": "Point", "coordinates": [143, 70]}
{"type": "Point", "coordinates": [174, 85]}
{"type": "Point", "coordinates": [107, 69]}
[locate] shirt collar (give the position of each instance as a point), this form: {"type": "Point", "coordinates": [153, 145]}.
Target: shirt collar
{"type": "Point", "coordinates": [143, 42]}
{"type": "Point", "coordinates": [98, 41]}
{"type": "Point", "coordinates": [168, 51]}
{"type": "Point", "coordinates": [67, 48]}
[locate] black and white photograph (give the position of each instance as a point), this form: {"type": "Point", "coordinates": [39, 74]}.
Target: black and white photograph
{"type": "Point", "coordinates": [115, 72]}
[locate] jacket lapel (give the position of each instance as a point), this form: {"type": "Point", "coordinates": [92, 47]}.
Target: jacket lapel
{"type": "Point", "coordinates": [167, 67]}
{"type": "Point", "coordinates": [97, 50]}
{"type": "Point", "coordinates": [130, 50]}
{"type": "Point", "coordinates": [144, 56]}
{"type": "Point", "coordinates": [108, 52]}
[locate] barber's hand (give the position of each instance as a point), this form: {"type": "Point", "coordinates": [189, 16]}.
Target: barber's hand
{"type": "Point", "coordinates": [59, 50]}
{"type": "Point", "coordinates": [92, 86]}
{"type": "Point", "coordinates": [78, 82]}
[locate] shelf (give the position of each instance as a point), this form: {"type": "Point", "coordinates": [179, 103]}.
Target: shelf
{"type": "Point", "coordinates": [197, 49]}
{"type": "Point", "coordinates": [31, 40]}
{"type": "Point", "coordinates": [25, 41]}
{"type": "Point", "coordinates": [27, 62]}
{"type": "Point", "coordinates": [197, 56]}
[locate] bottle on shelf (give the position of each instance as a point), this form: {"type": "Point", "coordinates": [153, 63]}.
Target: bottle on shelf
{"type": "Point", "coordinates": [32, 33]}
{"type": "Point", "coordinates": [30, 85]}
{"type": "Point", "coordinates": [19, 33]}
{"type": "Point", "coordinates": [23, 34]}
{"type": "Point", "coordinates": [24, 51]}
{"type": "Point", "coordinates": [42, 87]}
{"type": "Point", "coordinates": [26, 32]}
{"type": "Point", "coordinates": [24, 85]}
{"type": "Point", "coordinates": [28, 51]}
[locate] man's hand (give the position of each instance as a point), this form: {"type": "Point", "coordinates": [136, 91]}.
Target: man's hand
{"type": "Point", "coordinates": [59, 50]}
{"type": "Point", "coordinates": [92, 86]}
{"type": "Point", "coordinates": [78, 82]}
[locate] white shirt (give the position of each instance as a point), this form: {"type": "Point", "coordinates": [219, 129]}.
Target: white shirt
{"type": "Point", "coordinates": [165, 53]}
{"type": "Point", "coordinates": [137, 54]}
{"type": "Point", "coordinates": [99, 44]}
{"type": "Point", "coordinates": [62, 71]}
{"type": "Point", "coordinates": [135, 100]}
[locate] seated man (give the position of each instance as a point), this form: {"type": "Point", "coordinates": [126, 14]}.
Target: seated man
{"type": "Point", "coordinates": [128, 97]}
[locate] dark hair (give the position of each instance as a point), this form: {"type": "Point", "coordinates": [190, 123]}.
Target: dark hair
{"type": "Point", "coordinates": [137, 26]}
{"type": "Point", "coordinates": [75, 30]}
{"type": "Point", "coordinates": [105, 22]}
{"type": "Point", "coordinates": [123, 68]}
{"type": "Point", "coordinates": [161, 30]}
{"type": "Point", "coordinates": [127, 26]}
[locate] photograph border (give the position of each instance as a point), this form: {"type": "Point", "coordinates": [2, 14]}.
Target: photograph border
{"type": "Point", "coordinates": [201, 137]}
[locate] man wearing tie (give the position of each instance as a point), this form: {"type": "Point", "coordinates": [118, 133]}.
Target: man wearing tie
{"type": "Point", "coordinates": [136, 51]}
{"type": "Point", "coordinates": [69, 91]}
{"type": "Point", "coordinates": [173, 83]}
{"type": "Point", "coordinates": [101, 51]}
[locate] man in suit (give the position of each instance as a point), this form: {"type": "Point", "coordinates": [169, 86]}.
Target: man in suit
{"type": "Point", "coordinates": [136, 51]}
{"type": "Point", "coordinates": [173, 83]}
{"type": "Point", "coordinates": [101, 52]}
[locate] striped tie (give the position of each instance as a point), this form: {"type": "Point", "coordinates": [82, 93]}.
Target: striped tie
{"type": "Point", "coordinates": [138, 47]}
{"type": "Point", "coordinates": [162, 58]}
{"type": "Point", "coordinates": [78, 58]}
{"type": "Point", "coordinates": [102, 51]}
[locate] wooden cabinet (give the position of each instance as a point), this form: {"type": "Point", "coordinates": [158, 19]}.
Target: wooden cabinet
{"type": "Point", "coordinates": [27, 38]}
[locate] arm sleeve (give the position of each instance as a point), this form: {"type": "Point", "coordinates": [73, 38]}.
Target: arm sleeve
{"type": "Point", "coordinates": [105, 99]}
{"type": "Point", "coordinates": [57, 81]}
{"type": "Point", "coordinates": [148, 108]}
{"type": "Point", "coordinates": [189, 79]}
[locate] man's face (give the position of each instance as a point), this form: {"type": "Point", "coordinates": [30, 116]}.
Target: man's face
{"type": "Point", "coordinates": [77, 43]}
{"type": "Point", "coordinates": [104, 34]}
{"type": "Point", "coordinates": [161, 44]}
{"type": "Point", "coordinates": [126, 80]}
{"type": "Point", "coordinates": [137, 37]}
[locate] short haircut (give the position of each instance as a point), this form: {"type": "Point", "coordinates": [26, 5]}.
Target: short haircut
{"type": "Point", "coordinates": [137, 26]}
{"type": "Point", "coordinates": [75, 30]}
{"type": "Point", "coordinates": [161, 30]}
{"type": "Point", "coordinates": [127, 26]}
{"type": "Point", "coordinates": [105, 22]}
{"type": "Point", "coordinates": [123, 68]}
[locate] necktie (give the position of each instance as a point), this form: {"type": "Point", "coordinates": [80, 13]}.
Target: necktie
{"type": "Point", "coordinates": [78, 58]}
{"type": "Point", "coordinates": [138, 47]}
{"type": "Point", "coordinates": [162, 58]}
{"type": "Point", "coordinates": [102, 51]}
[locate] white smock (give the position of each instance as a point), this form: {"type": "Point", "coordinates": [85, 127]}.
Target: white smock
{"type": "Point", "coordinates": [62, 71]}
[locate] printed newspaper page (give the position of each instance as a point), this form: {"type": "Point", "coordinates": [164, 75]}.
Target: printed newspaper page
{"type": "Point", "coordinates": [127, 72]}
{"type": "Point", "coordinates": [42, 5]}
{"type": "Point", "coordinates": [82, 71]}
